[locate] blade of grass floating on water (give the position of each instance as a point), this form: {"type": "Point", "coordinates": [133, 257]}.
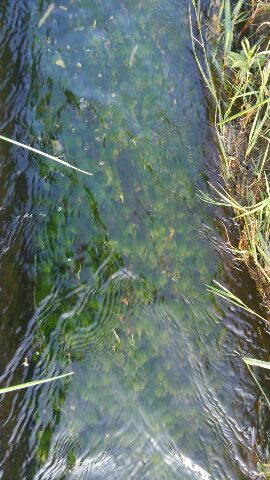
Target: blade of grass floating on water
{"type": "Point", "coordinates": [256, 363]}
{"type": "Point", "coordinates": [33, 383]}
{"type": "Point", "coordinates": [259, 385]}
{"type": "Point", "coordinates": [133, 55]}
{"type": "Point", "coordinates": [244, 112]}
{"type": "Point", "coordinates": [51, 157]}
{"type": "Point", "coordinates": [223, 292]}
{"type": "Point", "coordinates": [46, 15]}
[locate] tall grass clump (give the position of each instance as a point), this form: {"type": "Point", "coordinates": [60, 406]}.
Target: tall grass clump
{"type": "Point", "coordinates": [231, 48]}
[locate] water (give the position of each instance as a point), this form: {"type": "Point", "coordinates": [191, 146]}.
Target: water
{"type": "Point", "coordinates": [106, 275]}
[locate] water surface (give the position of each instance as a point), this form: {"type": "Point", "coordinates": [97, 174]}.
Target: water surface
{"type": "Point", "coordinates": [106, 275]}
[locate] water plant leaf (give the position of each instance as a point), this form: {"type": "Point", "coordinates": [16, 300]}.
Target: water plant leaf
{"type": "Point", "coordinates": [51, 157]}
{"type": "Point", "coordinates": [33, 383]}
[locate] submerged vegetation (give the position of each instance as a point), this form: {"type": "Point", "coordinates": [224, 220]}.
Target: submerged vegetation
{"type": "Point", "coordinates": [233, 56]}
{"type": "Point", "coordinates": [116, 268]}
{"type": "Point", "coordinates": [116, 263]}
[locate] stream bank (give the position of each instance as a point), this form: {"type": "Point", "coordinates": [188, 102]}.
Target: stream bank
{"type": "Point", "coordinates": [235, 65]}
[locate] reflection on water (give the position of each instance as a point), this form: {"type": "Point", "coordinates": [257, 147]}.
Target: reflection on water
{"type": "Point", "coordinates": [106, 275]}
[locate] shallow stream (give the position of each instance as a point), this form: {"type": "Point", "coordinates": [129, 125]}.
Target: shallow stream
{"type": "Point", "coordinates": [106, 275]}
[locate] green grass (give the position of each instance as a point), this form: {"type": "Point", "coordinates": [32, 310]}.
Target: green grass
{"type": "Point", "coordinates": [235, 67]}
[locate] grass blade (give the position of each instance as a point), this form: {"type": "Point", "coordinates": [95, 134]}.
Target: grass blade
{"type": "Point", "coordinates": [46, 15]}
{"type": "Point", "coordinates": [228, 27]}
{"type": "Point", "coordinates": [223, 292]}
{"type": "Point", "coordinates": [236, 10]}
{"type": "Point", "coordinates": [51, 157]}
{"type": "Point", "coordinates": [244, 112]}
{"type": "Point", "coordinates": [256, 363]}
{"type": "Point", "coordinates": [259, 385]}
{"type": "Point", "coordinates": [33, 383]}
